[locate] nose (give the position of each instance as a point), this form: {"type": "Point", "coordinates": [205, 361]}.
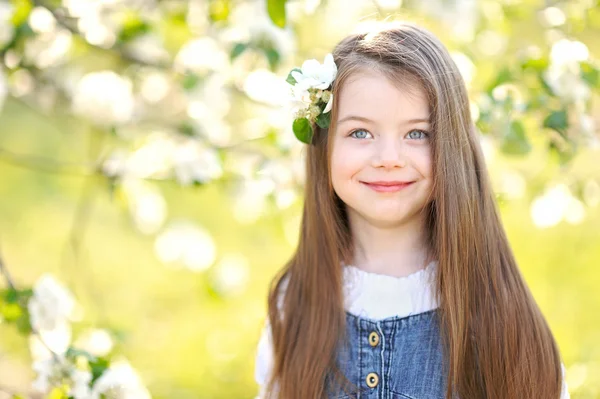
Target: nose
{"type": "Point", "coordinates": [389, 154]}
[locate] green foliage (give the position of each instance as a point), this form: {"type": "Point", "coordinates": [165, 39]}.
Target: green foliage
{"type": "Point", "coordinates": [557, 120]}
{"type": "Point", "coordinates": [303, 130]}
{"type": "Point", "coordinates": [237, 50]}
{"type": "Point", "coordinates": [515, 141]}
{"type": "Point", "coordinates": [190, 81]}
{"type": "Point", "coordinates": [22, 10]}
{"type": "Point", "coordinates": [132, 26]}
{"type": "Point", "coordinates": [276, 10]}
{"type": "Point", "coordinates": [324, 120]}
{"type": "Point", "coordinates": [13, 308]}
{"type": "Point", "coordinates": [290, 78]}
{"type": "Point", "coordinates": [590, 74]}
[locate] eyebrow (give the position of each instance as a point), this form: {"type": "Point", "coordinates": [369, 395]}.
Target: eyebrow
{"type": "Point", "coordinates": [364, 119]}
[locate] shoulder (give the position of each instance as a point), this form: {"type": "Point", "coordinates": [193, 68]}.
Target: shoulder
{"type": "Point", "coordinates": [264, 355]}
{"type": "Point", "coordinates": [264, 352]}
{"type": "Point", "coordinates": [564, 394]}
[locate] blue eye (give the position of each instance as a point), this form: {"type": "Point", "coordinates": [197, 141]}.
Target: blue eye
{"type": "Point", "coordinates": [359, 134]}
{"type": "Point", "coordinates": [422, 133]}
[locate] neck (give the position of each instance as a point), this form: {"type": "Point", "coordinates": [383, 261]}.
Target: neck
{"type": "Point", "coordinates": [397, 250]}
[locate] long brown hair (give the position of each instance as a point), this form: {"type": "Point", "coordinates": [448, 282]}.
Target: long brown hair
{"type": "Point", "coordinates": [496, 340]}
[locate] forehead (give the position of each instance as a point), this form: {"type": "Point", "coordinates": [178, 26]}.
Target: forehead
{"type": "Point", "coordinates": [374, 95]}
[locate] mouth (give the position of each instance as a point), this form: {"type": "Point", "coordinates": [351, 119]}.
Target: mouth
{"type": "Point", "coordinates": [387, 186]}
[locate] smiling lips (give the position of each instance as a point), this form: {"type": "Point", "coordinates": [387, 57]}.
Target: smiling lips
{"type": "Point", "coordinates": [387, 186]}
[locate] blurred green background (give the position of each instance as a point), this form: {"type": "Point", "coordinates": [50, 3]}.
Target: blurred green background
{"type": "Point", "coordinates": [166, 196]}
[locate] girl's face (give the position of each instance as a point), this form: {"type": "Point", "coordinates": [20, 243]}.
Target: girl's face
{"type": "Point", "coordinates": [381, 141]}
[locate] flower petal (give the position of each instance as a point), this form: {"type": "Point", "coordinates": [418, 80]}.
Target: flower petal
{"type": "Point", "coordinates": [329, 104]}
{"type": "Point", "coordinates": [298, 76]}
{"type": "Point", "coordinates": [310, 68]}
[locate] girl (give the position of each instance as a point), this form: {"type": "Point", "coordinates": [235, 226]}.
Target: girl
{"type": "Point", "coordinates": [403, 284]}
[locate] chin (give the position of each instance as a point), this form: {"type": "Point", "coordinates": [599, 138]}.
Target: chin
{"type": "Point", "coordinates": [381, 218]}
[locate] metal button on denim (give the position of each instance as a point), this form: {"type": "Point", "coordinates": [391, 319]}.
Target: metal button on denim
{"type": "Point", "coordinates": [372, 380]}
{"type": "Point", "coordinates": [411, 366]}
{"type": "Point", "coordinates": [373, 339]}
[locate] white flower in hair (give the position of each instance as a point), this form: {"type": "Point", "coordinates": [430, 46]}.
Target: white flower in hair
{"type": "Point", "coordinates": [315, 75]}
{"type": "Point", "coordinates": [311, 95]}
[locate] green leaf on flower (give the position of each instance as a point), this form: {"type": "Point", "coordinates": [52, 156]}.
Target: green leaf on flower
{"type": "Point", "coordinates": [557, 120]}
{"type": "Point", "coordinates": [237, 50]}
{"type": "Point", "coordinates": [190, 81]}
{"type": "Point", "coordinates": [505, 75]}
{"type": "Point", "coordinates": [187, 129]}
{"type": "Point", "coordinates": [11, 312]}
{"type": "Point", "coordinates": [538, 64]}
{"type": "Point", "coordinates": [515, 141]}
{"type": "Point", "coordinates": [132, 27]}
{"type": "Point", "coordinates": [303, 130]}
{"type": "Point", "coordinates": [563, 152]}
{"type": "Point", "coordinates": [290, 79]}
{"type": "Point", "coordinates": [273, 57]}
{"type": "Point", "coordinates": [73, 353]}
{"type": "Point", "coordinates": [24, 324]}
{"type": "Point", "coordinates": [17, 396]}
{"type": "Point", "coordinates": [545, 84]}
{"type": "Point", "coordinates": [22, 9]}
{"type": "Point", "coordinates": [276, 10]}
{"type": "Point", "coordinates": [98, 367]}
{"type": "Point", "coordinates": [590, 74]}
{"type": "Point", "coordinates": [324, 120]}
{"type": "Point", "coordinates": [11, 296]}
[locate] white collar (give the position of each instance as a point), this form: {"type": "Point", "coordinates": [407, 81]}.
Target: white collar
{"type": "Point", "coordinates": [378, 296]}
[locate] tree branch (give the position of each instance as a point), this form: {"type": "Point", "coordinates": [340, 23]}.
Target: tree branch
{"type": "Point", "coordinates": [6, 274]}
{"type": "Point", "coordinates": [47, 165]}
{"type": "Point", "coordinates": [64, 22]}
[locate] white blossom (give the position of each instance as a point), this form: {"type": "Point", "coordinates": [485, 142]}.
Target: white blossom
{"type": "Point", "coordinates": [56, 340]}
{"type": "Point", "coordinates": [96, 22]}
{"type": "Point", "coordinates": [51, 304]}
{"type": "Point", "coordinates": [194, 162]}
{"type": "Point", "coordinates": [312, 82]}
{"type": "Point", "coordinates": [119, 381]}
{"type": "Point", "coordinates": [54, 372]}
{"type": "Point", "coordinates": [553, 16]}
{"type": "Point", "coordinates": [259, 29]}
{"type": "Point", "coordinates": [264, 86]}
{"type": "Point", "coordinates": [201, 56]}
{"type": "Point", "coordinates": [41, 20]}
{"type": "Point", "coordinates": [187, 244]}
{"type": "Point", "coordinates": [315, 75]}
{"type": "Point", "coordinates": [465, 66]}
{"type": "Point", "coordinates": [231, 275]}
{"type": "Point", "coordinates": [97, 342]}
{"type": "Point", "coordinates": [48, 49]}
{"type": "Point", "coordinates": [105, 97]}
{"type": "Point", "coordinates": [148, 47]}
{"type": "Point", "coordinates": [555, 205]}
{"type": "Point", "coordinates": [147, 206]}
{"type": "Point", "coordinates": [564, 73]}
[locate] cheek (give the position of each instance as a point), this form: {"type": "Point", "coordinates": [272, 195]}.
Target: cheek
{"type": "Point", "coordinates": [345, 162]}
{"type": "Point", "coordinates": [423, 161]}
{"type": "Point", "coordinates": [342, 168]}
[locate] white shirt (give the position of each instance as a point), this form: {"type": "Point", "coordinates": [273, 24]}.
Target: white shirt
{"type": "Point", "coordinates": [376, 297]}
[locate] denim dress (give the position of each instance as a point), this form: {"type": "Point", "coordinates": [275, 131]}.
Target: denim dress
{"type": "Point", "coordinates": [393, 358]}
